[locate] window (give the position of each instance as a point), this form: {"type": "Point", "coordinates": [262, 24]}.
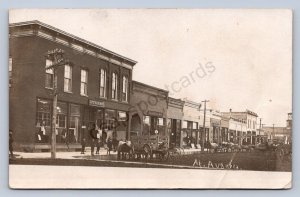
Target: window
{"type": "Point", "coordinates": [43, 113]}
{"type": "Point", "coordinates": [84, 82]}
{"type": "Point", "coordinates": [61, 114]}
{"type": "Point", "coordinates": [102, 83]}
{"type": "Point", "coordinates": [68, 79]}
{"type": "Point", "coordinates": [49, 74]}
{"type": "Point", "coordinates": [125, 89]}
{"type": "Point", "coordinates": [114, 92]}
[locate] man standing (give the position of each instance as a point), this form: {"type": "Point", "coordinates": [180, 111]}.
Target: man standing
{"type": "Point", "coordinates": [93, 134]}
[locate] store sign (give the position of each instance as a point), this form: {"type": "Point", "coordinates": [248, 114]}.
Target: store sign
{"type": "Point", "coordinates": [96, 103]}
{"type": "Point", "coordinates": [154, 113]}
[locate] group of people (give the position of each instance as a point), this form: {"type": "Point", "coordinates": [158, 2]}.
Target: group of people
{"type": "Point", "coordinates": [99, 139]}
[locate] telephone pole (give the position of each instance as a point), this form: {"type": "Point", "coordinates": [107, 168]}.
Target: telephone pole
{"type": "Point", "coordinates": [56, 56]}
{"type": "Point", "coordinates": [203, 133]}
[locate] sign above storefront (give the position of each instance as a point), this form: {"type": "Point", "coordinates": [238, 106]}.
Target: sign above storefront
{"type": "Point", "coordinates": [96, 103]}
{"type": "Point", "coordinates": [154, 113]}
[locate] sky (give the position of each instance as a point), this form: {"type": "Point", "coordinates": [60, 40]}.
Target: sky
{"type": "Point", "coordinates": [239, 59]}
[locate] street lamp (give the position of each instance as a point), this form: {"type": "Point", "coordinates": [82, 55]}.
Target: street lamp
{"type": "Point", "coordinates": [57, 58]}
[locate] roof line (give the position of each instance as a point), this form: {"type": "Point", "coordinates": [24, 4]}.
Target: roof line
{"type": "Point", "coordinates": [36, 22]}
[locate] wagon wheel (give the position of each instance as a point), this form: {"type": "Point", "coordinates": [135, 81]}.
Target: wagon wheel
{"type": "Point", "coordinates": [147, 152]}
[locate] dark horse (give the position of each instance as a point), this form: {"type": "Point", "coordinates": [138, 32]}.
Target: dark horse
{"type": "Point", "coordinates": [125, 149]}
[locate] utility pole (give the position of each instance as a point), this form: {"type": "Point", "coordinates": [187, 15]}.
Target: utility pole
{"type": "Point", "coordinates": [203, 133]}
{"type": "Point", "coordinates": [273, 132]}
{"type": "Point", "coordinates": [56, 56]}
{"type": "Point", "coordinates": [259, 131]}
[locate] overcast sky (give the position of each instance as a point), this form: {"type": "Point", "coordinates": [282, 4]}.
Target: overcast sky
{"type": "Point", "coordinates": [239, 59]}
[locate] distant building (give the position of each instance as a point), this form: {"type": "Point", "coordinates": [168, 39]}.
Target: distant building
{"type": "Point", "coordinates": [251, 121]}
{"type": "Point", "coordinates": [280, 134]}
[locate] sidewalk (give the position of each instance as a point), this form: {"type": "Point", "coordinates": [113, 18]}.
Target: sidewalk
{"type": "Point", "coordinates": [77, 155]}
{"type": "Point", "coordinates": [60, 155]}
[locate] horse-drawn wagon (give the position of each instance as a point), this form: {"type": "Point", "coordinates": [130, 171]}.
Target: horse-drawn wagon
{"type": "Point", "coordinates": [144, 146]}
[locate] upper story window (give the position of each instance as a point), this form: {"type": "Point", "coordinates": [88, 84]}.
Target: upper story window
{"type": "Point", "coordinates": [10, 70]}
{"type": "Point", "coordinates": [125, 89]}
{"type": "Point", "coordinates": [102, 83]}
{"type": "Point", "coordinates": [114, 89]}
{"type": "Point", "coordinates": [49, 75]}
{"type": "Point", "coordinates": [68, 79]}
{"type": "Point", "coordinates": [84, 82]}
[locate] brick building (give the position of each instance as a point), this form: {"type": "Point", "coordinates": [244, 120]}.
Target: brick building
{"type": "Point", "coordinates": [95, 87]}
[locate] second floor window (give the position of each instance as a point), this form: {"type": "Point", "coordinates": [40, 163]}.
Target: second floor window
{"type": "Point", "coordinates": [68, 79]}
{"type": "Point", "coordinates": [125, 89]}
{"type": "Point", "coordinates": [49, 75]}
{"type": "Point", "coordinates": [102, 83]}
{"type": "Point", "coordinates": [114, 89]}
{"type": "Point", "coordinates": [84, 82]}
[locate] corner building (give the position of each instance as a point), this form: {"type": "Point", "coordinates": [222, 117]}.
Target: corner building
{"type": "Point", "coordinates": [94, 88]}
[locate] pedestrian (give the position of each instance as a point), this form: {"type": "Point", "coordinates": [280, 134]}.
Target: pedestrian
{"type": "Point", "coordinates": [98, 146]}
{"type": "Point", "coordinates": [93, 135]}
{"type": "Point", "coordinates": [43, 132]}
{"type": "Point", "coordinates": [83, 143]}
{"type": "Point", "coordinates": [109, 145]}
{"type": "Point", "coordinates": [115, 143]}
{"type": "Point", "coordinates": [65, 139]}
{"type": "Point", "coordinates": [11, 140]}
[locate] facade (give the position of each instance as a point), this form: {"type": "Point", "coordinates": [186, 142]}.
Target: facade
{"type": "Point", "coordinates": [94, 88]}
{"type": "Point", "coordinates": [237, 131]}
{"type": "Point", "coordinates": [251, 121]}
{"type": "Point", "coordinates": [215, 126]}
{"type": "Point", "coordinates": [148, 111]}
{"type": "Point", "coordinates": [190, 123]}
{"type": "Point", "coordinates": [175, 115]}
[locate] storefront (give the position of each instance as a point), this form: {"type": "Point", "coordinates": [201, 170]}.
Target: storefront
{"type": "Point", "coordinates": [175, 114]}
{"type": "Point", "coordinates": [190, 124]}
{"type": "Point", "coordinates": [75, 120]}
{"type": "Point", "coordinates": [148, 111]}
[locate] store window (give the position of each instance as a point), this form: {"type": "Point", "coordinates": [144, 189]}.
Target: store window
{"type": "Point", "coordinates": [125, 89]}
{"type": "Point", "coordinates": [61, 120]}
{"type": "Point", "coordinates": [49, 75]}
{"type": "Point", "coordinates": [114, 91]}
{"type": "Point", "coordinates": [84, 82]}
{"type": "Point", "coordinates": [68, 79]}
{"type": "Point", "coordinates": [110, 118]}
{"type": "Point", "coordinates": [184, 124]}
{"type": "Point", "coordinates": [43, 114]}
{"type": "Point", "coordinates": [102, 83]}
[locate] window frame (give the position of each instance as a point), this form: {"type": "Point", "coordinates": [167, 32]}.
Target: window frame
{"type": "Point", "coordinates": [104, 83]}
{"type": "Point", "coordinates": [125, 84]}
{"type": "Point", "coordinates": [114, 86]}
{"type": "Point", "coordinates": [69, 90]}
{"type": "Point", "coordinates": [84, 83]}
{"type": "Point", "coordinates": [49, 72]}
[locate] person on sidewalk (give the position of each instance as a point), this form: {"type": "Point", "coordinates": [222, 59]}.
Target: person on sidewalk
{"type": "Point", "coordinates": [93, 135]}
{"type": "Point", "coordinates": [11, 140]}
{"type": "Point", "coordinates": [65, 139]}
{"type": "Point", "coordinates": [83, 143]}
{"type": "Point", "coordinates": [109, 145]}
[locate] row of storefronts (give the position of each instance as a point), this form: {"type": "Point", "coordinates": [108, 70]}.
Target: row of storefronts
{"type": "Point", "coordinates": [97, 89]}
